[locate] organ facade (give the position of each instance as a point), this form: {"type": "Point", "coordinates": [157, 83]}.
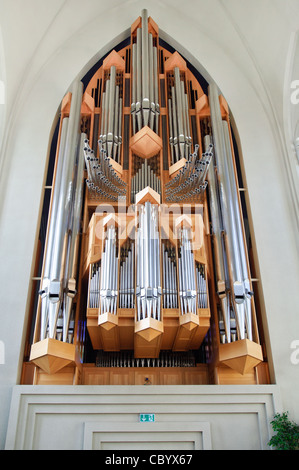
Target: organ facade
{"type": "Point", "coordinates": [146, 269]}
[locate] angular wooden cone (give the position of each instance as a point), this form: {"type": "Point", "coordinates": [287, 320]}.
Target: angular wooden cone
{"type": "Point", "coordinates": [149, 329]}
{"type": "Point", "coordinates": [51, 355]}
{"type": "Point", "coordinates": [146, 143]}
{"type": "Point", "coordinates": [114, 59]}
{"type": "Point", "coordinates": [108, 321]}
{"type": "Point", "coordinates": [189, 321]}
{"type": "Point", "coordinates": [241, 355]}
{"type": "Point", "coordinates": [147, 194]}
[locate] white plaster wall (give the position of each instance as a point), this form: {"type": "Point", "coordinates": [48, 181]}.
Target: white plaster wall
{"type": "Point", "coordinates": [107, 417]}
{"type": "Point", "coordinates": [243, 45]}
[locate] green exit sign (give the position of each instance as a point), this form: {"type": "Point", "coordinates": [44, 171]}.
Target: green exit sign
{"type": "Point", "coordinates": [147, 418]}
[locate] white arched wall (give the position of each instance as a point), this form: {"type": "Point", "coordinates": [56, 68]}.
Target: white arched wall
{"type": "Point", "coordinates": [74, 36]}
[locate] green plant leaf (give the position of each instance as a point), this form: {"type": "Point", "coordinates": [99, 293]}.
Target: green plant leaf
{"type": "Point", "coordinates": [287, 433]}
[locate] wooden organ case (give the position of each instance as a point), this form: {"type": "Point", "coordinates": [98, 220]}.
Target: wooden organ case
{"type": "Point", "coordinates": [149, 249]}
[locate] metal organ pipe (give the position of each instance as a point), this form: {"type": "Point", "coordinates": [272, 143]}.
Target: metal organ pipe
{"type": "Point", "coordinates": [145, 106]}
{"type": "Point", "coordinates": [127, 280]}
{"type": "Point", "coordinates": [142, 275]}
{"type": "Point", "coordinates": [70, 276]}
{"type": "Point", "coordinates": [231, 217]}
{"type": "Point", "coordinates": [44, 292]}
{"type": "Point", "coordinates": [239, 231]}
{"type": "Point", "coordinates": [109, 274]}
{"type": "Point", "coordinates": [189, 183]}
{"type": "Point", "coordinates": [102, 179]}
{"type": "Point", "coordinates": [170, 292]}
{"type": "Point", "coordinates": [145, 68]}
{"type": "Point", "coordinates": [186, 273]}
{"type": "Point", "coordinates": [134, 86]}
{"type": "Point", "coordinates": [111, 121]}
{"type": "Point", "coordinates": [94, 285]}
{"type": "Point", "coordinates": [219, 250]}
{"type": "Point", "coordinates": [156, 90]}
{"type": "Point", "coordinates": [179, 126]}
{"type": "Point", "coordinates": [52, 290]}
{"type": "Point", "coordinates": [145, 176]}
{"type": "Point", "coordinates": [202, 296]}
{"type": "Point", "coordinates": [148, 285]}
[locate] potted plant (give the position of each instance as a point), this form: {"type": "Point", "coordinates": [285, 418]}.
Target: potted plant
{"type": "Point", "coordinates": [287, 433]}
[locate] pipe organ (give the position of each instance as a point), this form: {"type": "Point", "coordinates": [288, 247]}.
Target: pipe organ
{"type": "Point", "coordinates": [145, 250]}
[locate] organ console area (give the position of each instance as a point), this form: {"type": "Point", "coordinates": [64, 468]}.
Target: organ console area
{"type": "Point", "coordinates": [146, 267]}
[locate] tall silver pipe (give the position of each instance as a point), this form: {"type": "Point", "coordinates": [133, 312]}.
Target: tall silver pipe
{"type": "Point", "coordinates": [181, 136]}
{"type": "Point", "coordinates": [145, 106]}
{"type": "Point", "coordinates": [134, 86]}
{"type": "Point", "coordinates": [71, 264]}
{"type": "Point", "coordinates": [139, 78]}
{"type": "Point", "coordinates": [179, 125]}
{"type": "Point", "coordinates": [50, 242]}
{"type": "Point", "coordinates": [216, 219]}
{"type": "Point", "coordinates": [148, 289]}
{"type": "Point", "coordinates": [170, 131]}
{"type": "Point", "coordinates": [94, 285]}
{"type": "Point", "coordinates": [175, 125]}
{"type": "Point", "coordinates": [103, 115]}
{"type": "Point", "coordinates": [52, 287]}
{"type": "Point", "coordinates": [202, 299]}
{"type": "Point", "coordinates": [106, 115]}
{"type": "Point", "coordinates": [187, 273]}
{"type": "Point", "coordinates": [188, 133]}
{"type": "Point", "coordinates": [151, 81]}
{"type": "Point", "coordinates": [111, 111]}
{"type": "Point", "coordinates": [156, 90]}
{"type": "Point", "coordinates": [120, 129]}
{"type": "Point", "coordinates": [239, 231]}
{"type": "Point", "coordinates": [228, 212]}
{"type": "Point", "coordinates": [111, 123]}
{"type": "Point", "coordinates": [116, 125]}
{"type": "Point", "coordinates": [145, 69]}
{"type": "Point", "coordinates": [109, 274]}
{"type": "Point", "coordinates": [169, 278]}
{"type": "Point", "coordinates": [127, 289]}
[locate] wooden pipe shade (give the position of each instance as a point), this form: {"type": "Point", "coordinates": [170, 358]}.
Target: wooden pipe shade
{"type": "Point", "coordinates": [51, 355]}
{"type": "Point", "coordinates": [241, 355]}
{"type": "Point", "coordinates": [146, 143]}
